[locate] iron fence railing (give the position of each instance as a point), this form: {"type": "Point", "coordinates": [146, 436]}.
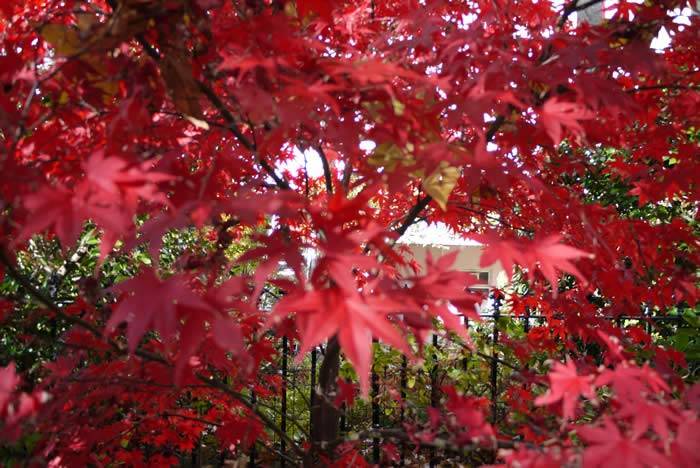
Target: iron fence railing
{"type": "Point", "coordinates": [494, 361]}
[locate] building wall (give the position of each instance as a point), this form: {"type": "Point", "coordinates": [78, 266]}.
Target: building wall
{"type": "Point", "coordinates": [467, 260]}
{"type": "Point", "coordinates": [593, 14]}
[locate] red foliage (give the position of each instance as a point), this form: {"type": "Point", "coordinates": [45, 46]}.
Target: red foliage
{"type": "Point", "coordinates": [485, 115]}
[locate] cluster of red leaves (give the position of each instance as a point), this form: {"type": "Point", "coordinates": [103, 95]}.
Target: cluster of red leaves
{"type": "Point", "coordinates": [15, 405]}
{"type": "Point", "coordinates": [191, 112]}
{"type": "Point", "coordinates": [644, 425]}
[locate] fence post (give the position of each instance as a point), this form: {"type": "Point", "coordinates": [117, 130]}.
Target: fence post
{"type": "Point", "coordinates": [465, 360]}
{"type": "Point", "coordinates": [283, 423]}
{"type": "Point", "coordinates": [375, 411]}
{"type": "Point", "coordinates": [526, 324]}
{"type": "Point", "coordinates": [312, 396]}
{"type": "Point", "coordinates": [434, 392]}
{"type": "Point", "coordinates": [404, 382]}
{"type": "Point", "coordinates": [648, 313]}
{"type": "Point", "coordinates": [494, 360]}
{"type": "Point", "coordinates": [253, 452]}
{"type": "Point", "coordinates": [343, 417]}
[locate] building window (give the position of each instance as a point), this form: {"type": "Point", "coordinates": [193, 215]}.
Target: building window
{"type": "Point", "coordinates": [482, 276]}
{"type": "Point", "coordinates": [483, 281]}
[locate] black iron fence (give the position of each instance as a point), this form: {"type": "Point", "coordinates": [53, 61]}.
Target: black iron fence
{"type": "Point", "coordinates": [490, 332]}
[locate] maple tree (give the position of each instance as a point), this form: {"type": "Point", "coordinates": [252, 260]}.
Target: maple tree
{"type": "Point", "coordinates": [157, 219]}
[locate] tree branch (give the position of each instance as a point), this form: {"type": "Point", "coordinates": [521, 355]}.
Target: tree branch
{"type": "Point", "coordinates": [223, 111]}
{"type": "Point", "coordinates": [326, 170]}
{"type": "Point", "coordinates": [413, 213]}
{"type": "Point", "coordinates": [680, 87]}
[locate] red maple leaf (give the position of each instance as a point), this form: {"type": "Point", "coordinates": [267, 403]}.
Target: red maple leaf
{"type": "Point", "coordinates": [548, 254]}
{"type": "Point", "coordinates": [320, 314]}
{"type": "Point", "coordinates": [108, 195]}
{"type": "Point", "coordinates": [346, 393]}
{"type": "Point", "coordinates": [469, 413]}
{"type": "Point", "coordinates": [148, 302]}
{"type": "Point", "coordinates": [558, 116]}
{"type": "Point", "coordinates": [609, 447]}
{"type": "Point", "coordinates": [66, 211]}
{"type": "Point", "coordinates": [685, 447]}
{"type": "Point", "coordinates": [566, 385]}
{"type": "Point", "coordinates": [113, 181]}
{"type": "Point", "coordinates": [645, 414]}
{"type": "Point", "coordinates": [8, 382]}
{"type": "Point", "coordinates": [277, 247]}
{"type": "Point", "coordinates": [632, 382]}
{"type": "Point", "coordinates": [440, 285]}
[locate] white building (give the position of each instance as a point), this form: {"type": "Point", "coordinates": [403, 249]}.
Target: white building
{"type": "Point", "coordinates": [439, 240]}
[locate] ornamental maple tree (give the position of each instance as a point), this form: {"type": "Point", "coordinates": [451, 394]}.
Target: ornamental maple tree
{"type": "Point", "coordinates": [168, 165]}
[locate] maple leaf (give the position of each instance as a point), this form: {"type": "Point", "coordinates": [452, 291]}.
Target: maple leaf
{"type": "Point", "coordinates": [108, 195]}
{"type": "Point", "coordinates": [6, 9]}
{"type": "Point", "coordinates": [440, 183]}
{"type": "Point", "coordinates": [390, 453]}
{"type": "Point", "coordinates": [8, 382]}
{"type": "Point", "coordinates": [632, 382]}
{"type": "Point", "coordinates": [346, 393]}
{"type": "Point", "coordinates": [58, 211]}
{"type": "Point", "coordinates": [113, 180]}
{"type": "Point", "coordinates": [615, 352]}
{"type": "Point", "coordinates": [374, 71]}
{"type": "Point", "coordinates": [469, 414]}
{"type": "Point", "coordinates": [15, 406]}
{"type": "Point", "coordinates": [685, 447]}
{"type": "Point", "coordinates": [277, 247]}
{"type": "Point", "coordinates": [249, 206]}
{"type": "Point", "coordinates": [147, 301]}
{"type": "Point", "coordinates": [320, 314]}
{"type": "Point", "coordinates": [226, 331]}
{"type": "Point", "coordinates": [105, 172]}
{"type": "Point", "coordinates": [560, 115]}
{"type": "Point", "coordinates": [566, 385]}
{"type": "Point", "coordinates": [438, 287]}
{"type": "Point", "coordinates": [548, 254]}
{"type": "Point", "coordinates": [692, 397]}
{"type": "Point", "coordinates": [609, 447]}
{"type": "Point", "coordinates": [645, 414]}
{"type": "Point", "coordinates": [242, 433]}
{"type": "Point", "coordinates": [534, 458]}
{"type": "Point", "coordinates": [344, 234]}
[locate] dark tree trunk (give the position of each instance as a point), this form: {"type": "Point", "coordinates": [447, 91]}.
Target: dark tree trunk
{"type": "Point", "coordinates": [325, 416]}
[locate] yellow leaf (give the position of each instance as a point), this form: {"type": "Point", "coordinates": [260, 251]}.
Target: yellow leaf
{"type": "Point", "coordinates": [411, 382]}
{"type": "Point", "coordinates": [386, 155]}
{"type": "Point", "coordinates": [108, 87]}
{"type": "Point", "coordinates": [389, 155]}
{"type": "Point", "coordinates": [398, 106]}
{"type": "Point", "coordinates": [440, 183]}
{"type": "Point", "coordinates": [85, 21]}
{"type": "Point", "coordinates": [63, 39]}
{"type": "Point", "coordinates": [290, 9]}
{"type": "Point", "coordinates": [374, 108]}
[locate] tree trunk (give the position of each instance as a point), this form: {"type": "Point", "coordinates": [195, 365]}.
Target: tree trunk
{"type": "Point", "coordinates": [325, 416]}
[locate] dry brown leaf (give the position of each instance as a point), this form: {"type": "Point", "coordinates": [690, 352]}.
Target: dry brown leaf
{"type": "Point", "coordinates": [183, 88]}
{"type": "Point", "coordinates": [440, 183]}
